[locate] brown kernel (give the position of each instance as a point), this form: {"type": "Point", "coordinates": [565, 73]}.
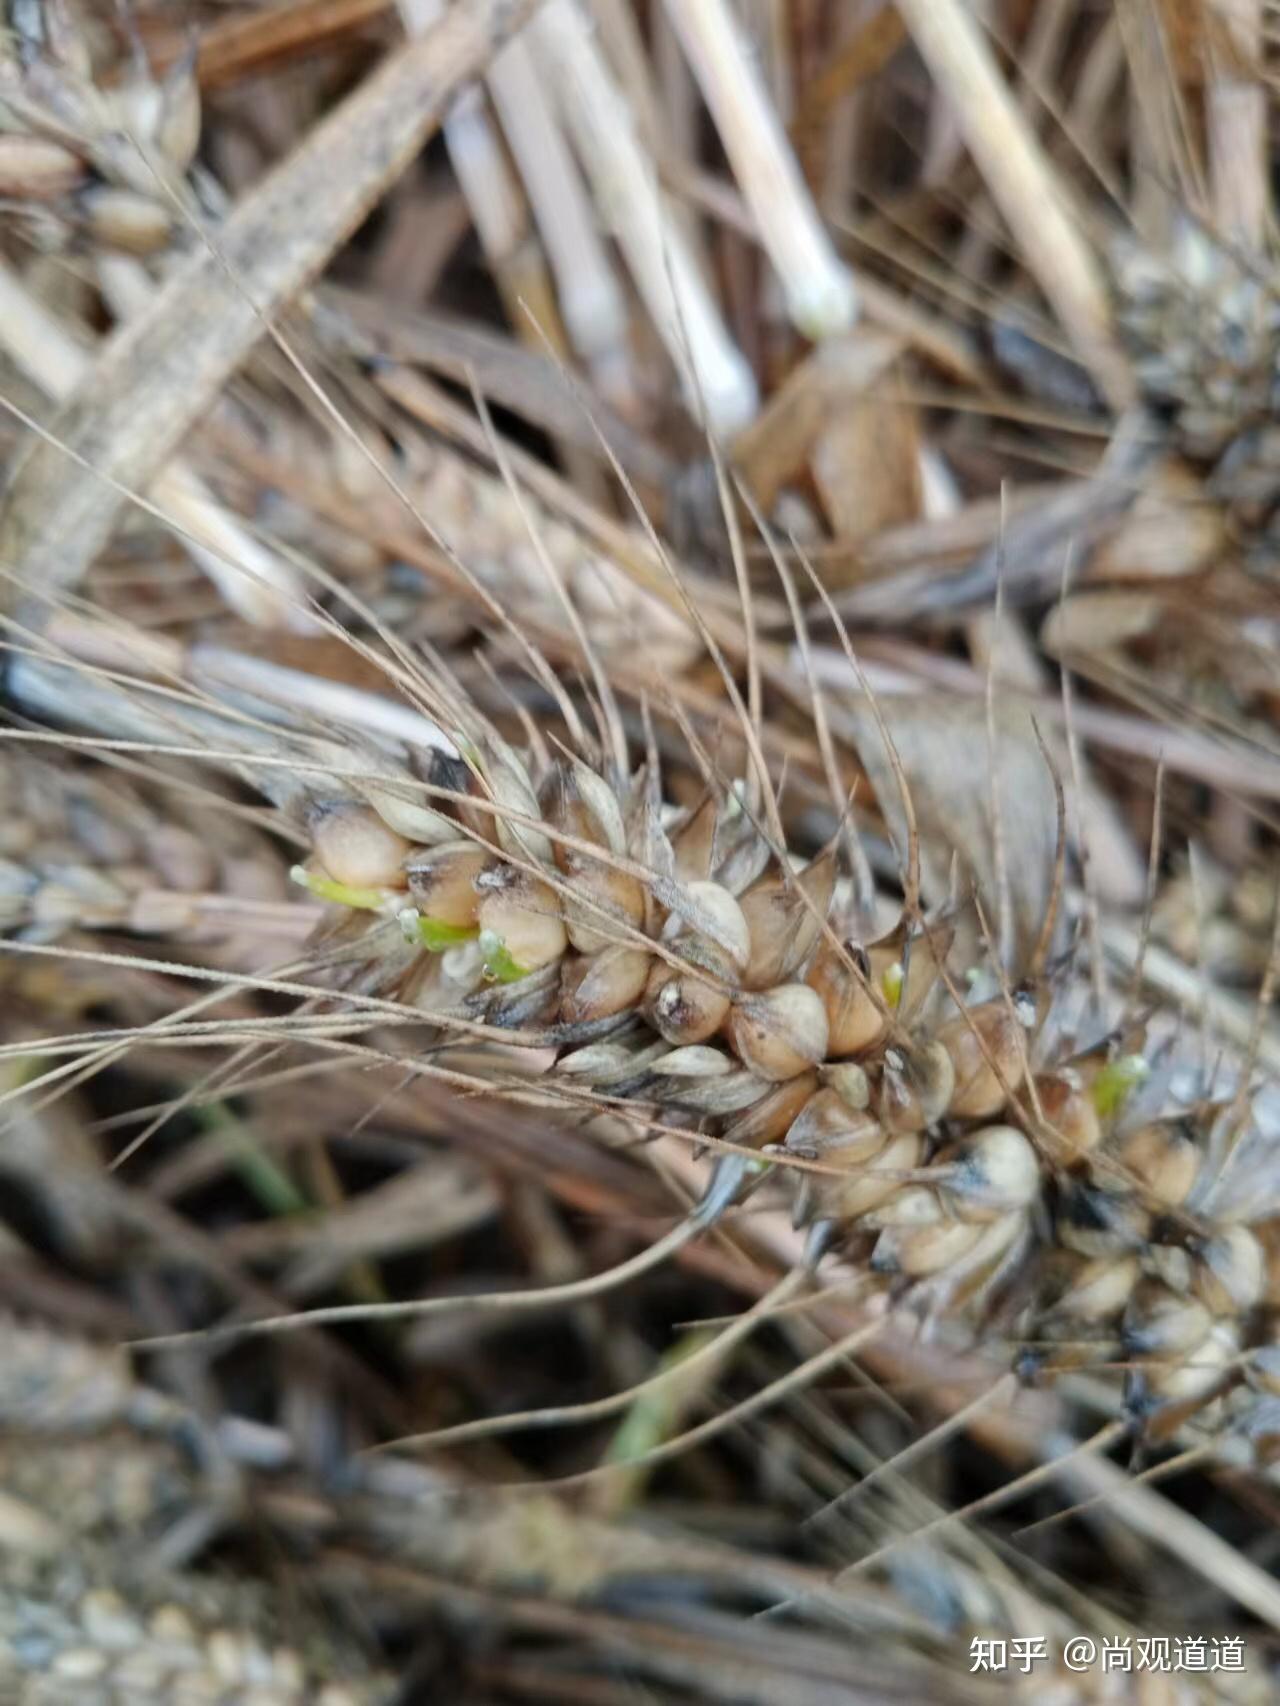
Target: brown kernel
{"type": "Point", "coordinates": [683, 1007]}
{"type": "Point", "coordinates": [987, 1046]}
{"type": "Point", "coordinates": [916, 1087]}
{"type": "Point", "coordinates": [1099, 1290]}
{"type": "Point", "coordinates": [1070, 1128]}
{"type": "Point", "coordinates": [124, 219]}
{"type": "Point", "coordinates": [578, 803]}
{"type": "Point", "coordinates": [835, 1134]}
{"type": "Point", "coordinates": [919, 1252]}
{"type": "Point", "coordinates": [355, 847]}
{"type": "Point", "coordinates": [855, 1023]}
{"type": "Point", "coordinates": [523, 914]}
{"type": "Point", "coordinates": [766, 1120]}
{"type": "Point", "coordinates": [881, 1178]}
{"type": "Point", "coordinates": [781, 1032]}
{"type": "Point", "coordinates": [721, 940]}
{"type": "Point", "coordinates": [442, 881]}
{"type": "Point", "coordinates": [783, 915]}
{"type": "Point", "coordinates": [596, 986]}
{"type": "Point", "coordinates": [1163, 1160]}
{"type": "Point", "coordinates": [989, 1173]}
{"type": "Point", "coordinates": [32, 168]}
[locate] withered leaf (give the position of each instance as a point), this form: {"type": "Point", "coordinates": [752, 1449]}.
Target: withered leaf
{"type": "Point", "coordinates": [946, 756]}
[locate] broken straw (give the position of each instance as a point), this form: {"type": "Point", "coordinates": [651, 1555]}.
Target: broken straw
{"type": "Point", "coordinates": [592, 303]}
{"type": "Point", "coordinates": [821, 296]}
{"type": "Point", "coordinates": [600, 122]}
{"type": "Point", "coordinates": [256, 583]}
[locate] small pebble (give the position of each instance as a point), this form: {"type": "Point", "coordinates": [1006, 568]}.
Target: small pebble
{"type": "Point", "coordinates": [80, 1664]}
{"type": "Point", "coordinates": [287, 1670]}
{"type": "Point", "coordinates": [199, 1688]}
{"type": "Point", "coordinates": [171, 1623]}
{"type": "Point", "coordinates": [141, 1673]}
{"type": "Point", "coordinates": [226, 1654]}
{"type": "Point", "coordinates": [33, 1650]}
{"type": "Point", "coordinates": [255, 1664]}
{"type": "Point", "coordinates": [107, 1620]}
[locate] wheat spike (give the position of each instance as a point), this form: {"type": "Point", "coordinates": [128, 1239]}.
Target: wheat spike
{"type": "Point", "coordinates": [963, 1151]}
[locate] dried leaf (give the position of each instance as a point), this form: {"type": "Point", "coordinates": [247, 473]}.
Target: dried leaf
{"type": "Point", "coordinates": [157, 376]}
{"type": "Point", "coordinates": [773, 449]}
{"type": "Point", "coordinates": [943, 747]}
{"type": "Point", "coordinates": [1171, 530]}
{"type": "Point", "coordinates": [1099, 621]}
{"type": "Point", "coordinates": [866, 465]}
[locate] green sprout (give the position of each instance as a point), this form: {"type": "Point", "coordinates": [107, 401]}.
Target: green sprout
{"type": "Point", "coordinates": [1116, 1083]}
{"type": "Point", "coordinates": [433, 933]}
{"type": "Point", "coordinates": [499, 965]}
{"type": "Point", "coordinates": [325, 888]}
